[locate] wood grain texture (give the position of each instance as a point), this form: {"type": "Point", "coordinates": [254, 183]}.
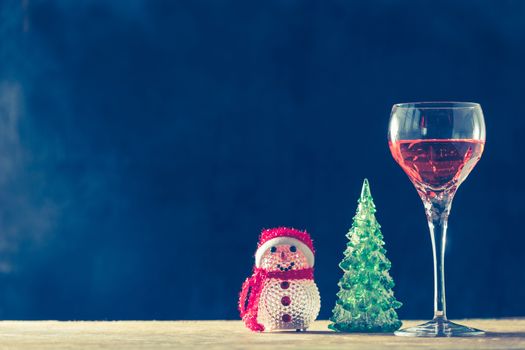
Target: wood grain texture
{"type": "Point", "coordinates": [503, 334]}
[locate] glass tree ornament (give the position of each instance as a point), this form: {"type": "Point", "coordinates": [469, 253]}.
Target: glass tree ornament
{"type": "Point", "coordinates": [365, 301]}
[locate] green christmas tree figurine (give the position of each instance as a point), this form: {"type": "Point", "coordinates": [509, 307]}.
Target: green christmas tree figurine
{"type": "Point", "coordinates": [365, 301]}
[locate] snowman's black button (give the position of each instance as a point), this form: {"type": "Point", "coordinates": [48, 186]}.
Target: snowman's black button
{"type": "Point", "coordinates": [286, 300]}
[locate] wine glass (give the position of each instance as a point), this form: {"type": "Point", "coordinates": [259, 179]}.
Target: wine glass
{"type": "Point", "coordinates": [437, 144]}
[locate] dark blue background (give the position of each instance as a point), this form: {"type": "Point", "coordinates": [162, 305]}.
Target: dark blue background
{"type": "Point", "coordinates": [144, 144]}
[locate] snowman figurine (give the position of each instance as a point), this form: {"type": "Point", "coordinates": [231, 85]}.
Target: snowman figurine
{"type": "Point", "coordinates": [281, 293]}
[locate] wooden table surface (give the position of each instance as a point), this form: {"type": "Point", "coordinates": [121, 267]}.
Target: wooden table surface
{"type": "Point", "coordinates": [503, 334]}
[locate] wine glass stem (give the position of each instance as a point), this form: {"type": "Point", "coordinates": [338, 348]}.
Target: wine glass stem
{"type": "Point", "coordinates": [437, 208]}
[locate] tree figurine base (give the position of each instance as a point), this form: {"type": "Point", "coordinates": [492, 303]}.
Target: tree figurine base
{"type": "Point", "coordinates": [440, 327]}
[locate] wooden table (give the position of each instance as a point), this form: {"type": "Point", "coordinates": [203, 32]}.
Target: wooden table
{"type": "Point", "coordinates": [503, 334]}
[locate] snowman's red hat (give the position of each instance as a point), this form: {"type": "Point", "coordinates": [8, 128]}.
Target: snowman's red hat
{"type": "Point", "coordinates": [284, 235]}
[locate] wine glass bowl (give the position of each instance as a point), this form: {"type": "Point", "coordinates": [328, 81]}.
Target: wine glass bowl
{"type": "Point", "coordinates": [437, 144]}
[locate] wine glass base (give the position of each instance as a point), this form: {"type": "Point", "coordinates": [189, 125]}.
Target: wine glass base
{"type": "Point", "coordinates": [439, 327]}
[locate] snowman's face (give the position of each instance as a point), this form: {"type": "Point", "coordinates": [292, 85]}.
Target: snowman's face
{"type": "Point", "coordinates": [283, 258]}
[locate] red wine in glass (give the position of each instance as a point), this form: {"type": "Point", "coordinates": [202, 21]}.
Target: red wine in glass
{"type": "Point", "coordinates": [437, 164]}
{"type": "Point", "coordinates": [437, 144]}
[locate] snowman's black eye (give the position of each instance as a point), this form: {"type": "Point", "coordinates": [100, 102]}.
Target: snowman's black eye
{"type": "Point", "coordinates": [273, 249]}
{"type": "Point", "coordinates": [293, 249]}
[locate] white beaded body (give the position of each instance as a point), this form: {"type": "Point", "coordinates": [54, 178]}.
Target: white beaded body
{"type": "Point", "coordinates": [292, 304]}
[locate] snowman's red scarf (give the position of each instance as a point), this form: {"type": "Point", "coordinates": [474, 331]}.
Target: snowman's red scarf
{"type": "Point", "coordinates": [252, 288]}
